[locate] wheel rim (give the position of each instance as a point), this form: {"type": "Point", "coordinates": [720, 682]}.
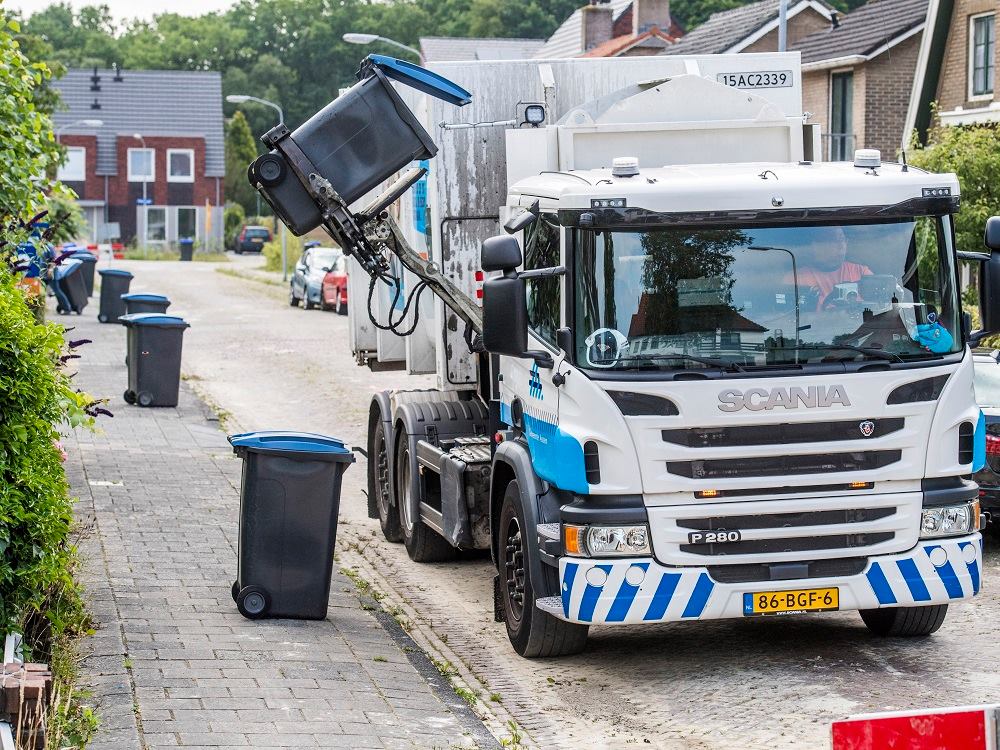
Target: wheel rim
{"type": "Point", "coordinates": [254, 603]}
{"type": "Point", "coordinates": [513, 563]}
{"type": "Point", "coordinates": [382, 477]}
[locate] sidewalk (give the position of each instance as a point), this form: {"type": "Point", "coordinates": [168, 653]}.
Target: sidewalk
{"type": "Point", "coordinates": [172, 662]}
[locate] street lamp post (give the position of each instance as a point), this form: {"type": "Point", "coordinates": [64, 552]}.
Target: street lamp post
{"type": "Point", "coordinates": [145, 205]}
{"type": "Point", "coordinates": [240, 99]}
{"type": "Point", "coordinates": [82, 123]}
{"type": "Point", "coordinates": [352, 38]}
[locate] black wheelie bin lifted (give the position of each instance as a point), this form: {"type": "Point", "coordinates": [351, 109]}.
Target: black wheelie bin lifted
{"type": "Point", "coordinates": [114, 283]}
{"type": "Point", "coordinates": [289, 500]}
{"type": "Point", "coordinates": [137, 302]}
{"type": "Point", "coordinates": [154, 358]}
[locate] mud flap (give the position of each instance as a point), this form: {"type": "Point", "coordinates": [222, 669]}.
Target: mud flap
{"type": "Point", "coordinates": [454, 511]}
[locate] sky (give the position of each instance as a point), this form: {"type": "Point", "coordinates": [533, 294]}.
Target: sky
{"type": "Point", "coordinates": [125, 9]}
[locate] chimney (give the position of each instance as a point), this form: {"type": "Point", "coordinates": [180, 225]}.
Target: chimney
{"type": "Point", "coordinates": [649, 13]}
{"type": "Point", "coordinates": [597, 24]}
{"type": "Point", "coordinates": [834, 19]}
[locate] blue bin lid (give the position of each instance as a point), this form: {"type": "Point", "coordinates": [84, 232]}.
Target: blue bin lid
{"type": "Point", "coordinates": [114, 272]}
{"type": "Point", "coordinates": [290, 444]}
{"type": "Point", "coordinates": [418, 78]}
{"type": "Point", "coordinates": [140, 297]}
{"type": "Point", "coordinates": [85, 255]}
{"type": "Point", "coordinates": [162, 320]}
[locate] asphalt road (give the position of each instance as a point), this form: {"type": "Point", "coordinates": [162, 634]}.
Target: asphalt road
{"type": "Point", "coordinates": [762, 682]}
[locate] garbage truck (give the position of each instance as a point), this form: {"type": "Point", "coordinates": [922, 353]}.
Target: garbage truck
{"type": "Point", "coordinates": [685, 368]}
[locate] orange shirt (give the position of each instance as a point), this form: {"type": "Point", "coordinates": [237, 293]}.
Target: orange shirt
{"type": "Point", "coordinates": [825, 281]}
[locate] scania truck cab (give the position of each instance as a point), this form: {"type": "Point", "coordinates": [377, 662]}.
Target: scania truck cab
{"type": "Point", "coordinates": [685, 370]}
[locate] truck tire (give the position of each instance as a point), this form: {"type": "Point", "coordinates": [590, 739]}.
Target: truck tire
{"type": "Point", "coordinates": [423, 544]}
{"type": "Point", "coordinates": [905, 622]}
{"type": "Point", "coordinates": [380, 484]}
{"type": "Point", "coordinates": [532, 632]}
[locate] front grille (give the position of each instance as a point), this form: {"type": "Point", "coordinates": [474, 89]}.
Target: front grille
{"type": "Point", "coordinates": [772, 466]}
{"type": "Point", "coordinates": [751, 572]}
{"type": "Point", "coordinates": [791, 544]}
{"type": "Point", "coordinates": [783, 434]}
{"type": "Point", "coordinates": [787, 520]}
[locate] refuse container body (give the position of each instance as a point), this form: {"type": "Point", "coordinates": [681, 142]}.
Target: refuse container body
{"type": "Point", "coordinates": [187, 248]}
{"type": "Point", "coordinates": [145, 303]}
{"type": "Point", "coordinates": [289, 499]}
{"type": "Point", "coordinates": [69, 287]}
{"type": "Point", "coordinates": [89, 261]}
{"type": "Point", "coordinates": [114, 283]}
{"type": "Point", "coordinates": [154, 358]}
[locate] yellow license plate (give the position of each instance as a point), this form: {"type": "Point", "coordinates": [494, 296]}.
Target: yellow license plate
{"type": "Point", "coordinates": [790, 602]}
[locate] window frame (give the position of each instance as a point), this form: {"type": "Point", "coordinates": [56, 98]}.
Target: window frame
{"type": "Point", "coordinates": [132, 176]}
{"type": "Point", "coordinates": [970, 70]}
{"type": "Point", "coordinates": [180, 178]}
{"type": "Point", "coordinates": [62, 176]}
{"type": "Point", "coordinates": [560, 234]}
{"type": "Point", "coordinates": [166, 224]}
{"type": "Point", "coordinates": [843, 74]}
{"type": "Point", "coordinates": [177, 222]}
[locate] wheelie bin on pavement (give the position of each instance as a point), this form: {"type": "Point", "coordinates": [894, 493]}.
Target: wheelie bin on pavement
{"type": "Point", "coordinates": [187, 248]}
{"type": "Point", "coordinates": [69, 287]}
{"type": "Point", "coordinates": [114, 283]}
{"type": "Point", "coordinates": [289, 500]}
{"type": "Point", "coordinates": [89, 261]}
{"type": "Point", "coordinates": [154, 358]}
{"type": "Point", "coordinates": [137, 302]}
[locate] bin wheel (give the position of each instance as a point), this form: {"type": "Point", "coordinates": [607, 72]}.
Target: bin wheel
{"type": "Point", "coordinates": [129, 397]}
{"type": "Point", "coordinates": [236, 590]}
{"type": "Point", "coordinates": [145, 398]}
{"type": "Point", "coordinates": [102, 318]}
{"type": "Point", "coordinates": [252, 602]}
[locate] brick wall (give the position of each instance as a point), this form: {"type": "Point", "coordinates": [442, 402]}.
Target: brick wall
{"type": "Point", "coordinates": [93, 187]}
{"type": "Point", "coordinates": [799, 26]}
{"type": "Point", "coordinates": [889, 80]}
{"type": "Point", "coordinates": [816, 97]}
{"type": "Point", "coordinates": [953, 83]}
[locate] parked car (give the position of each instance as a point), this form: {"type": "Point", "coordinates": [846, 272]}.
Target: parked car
{"type": "Point", "coordinates": [987, 384]}
{"type": "Point", "coordinates": [335, 287]}
{"type": "Point", "coordinates": [307, 279]}
{"type": "Point", "coordinates": [251, 239]}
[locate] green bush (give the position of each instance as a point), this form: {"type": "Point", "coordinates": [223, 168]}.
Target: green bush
{"type": "Point", "coordinates": [233, 219]}
{"type": "Point", "coordinates": [272, 252]}
{"type": "Point", "coordinates": [35, 508]}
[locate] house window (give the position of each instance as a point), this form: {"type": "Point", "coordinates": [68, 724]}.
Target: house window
{"type": "Point", "coordinates": [74, 169]}
{"type": "Point", "coordinates": [187, 223]}
{"type": "Point", "coordinates": [141, 165]}
{"type": "Point", "coordinates": [981, 43]}
{"type": "Point", "coordinates": [156, 224]}
{"type": "Point", "coordinates": [841, 136]}
{"type": "Point", "coordinates": [180, 165]}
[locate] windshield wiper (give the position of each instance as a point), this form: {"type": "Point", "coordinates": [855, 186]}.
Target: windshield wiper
{"type": "Point", "coordinates": [877, 353]}
{"type": "Point", "coordinates": [710, 361]}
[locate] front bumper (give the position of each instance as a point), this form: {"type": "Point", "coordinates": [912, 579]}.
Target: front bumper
{"type": "Point", "coordinates": [640, 590]}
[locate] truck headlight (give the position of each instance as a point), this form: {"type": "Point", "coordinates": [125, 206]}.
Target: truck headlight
{"type": "Point", "coordinates": [605, 541]}
{"type": "Point", "coordinates": [949, 520]}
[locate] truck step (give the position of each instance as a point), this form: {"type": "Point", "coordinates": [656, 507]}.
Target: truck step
{"type": "Point", "coordinates": [549, 531]}
{"type": "Point", "coordinates": [551, 604]}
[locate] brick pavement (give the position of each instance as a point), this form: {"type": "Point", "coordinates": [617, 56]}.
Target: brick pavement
{"type": "Point", "coordinates": [172, 663]}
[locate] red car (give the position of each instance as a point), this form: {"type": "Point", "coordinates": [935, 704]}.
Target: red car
{"type": "Point", "coordinates": [334, 293]}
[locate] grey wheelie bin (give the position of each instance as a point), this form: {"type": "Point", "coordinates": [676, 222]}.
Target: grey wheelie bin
{"type": "Point", "coordinates": [154, 358]}
{"type": "Point", "coordinates": [69, 287]}
{"type": "Point", "coordinates": [114, 283]}
{"type": "Point", "coordinates": [89, 261]}
{"type": "Point", "coordinates": [145, 303]}
{"type": "Point", "coordinates": [289, 499]}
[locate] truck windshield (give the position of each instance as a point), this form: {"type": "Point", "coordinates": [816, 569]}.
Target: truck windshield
{"type": "Point", "coordinates": [757, 296]}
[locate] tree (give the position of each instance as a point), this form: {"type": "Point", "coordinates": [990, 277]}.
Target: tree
{"type": "Point", "coordinates": [240, 151]}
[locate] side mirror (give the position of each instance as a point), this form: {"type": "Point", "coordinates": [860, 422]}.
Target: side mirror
{"type": "Point", "coordinates": [989, 291]}
{"type": "Point", "coordinates": [505, 316]}
{"type": "Point", "coordinates": [991, 237]}
{"type": "Point", "coordinates": [522, 220]}
{"type": "Point", "coordinates": [500, 253]}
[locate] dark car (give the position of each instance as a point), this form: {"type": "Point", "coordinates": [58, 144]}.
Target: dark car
{"type": "Point", "coordinates": [987, 383]}
{"type": "Point", "coordinates": [306, 285]}
{"type": "Point", "coordinates": [251, 239]}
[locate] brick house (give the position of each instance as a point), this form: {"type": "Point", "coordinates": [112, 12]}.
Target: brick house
{"type": "Point", "coordinates": [614, 28]}
{"type": "Point", "coordinates": [955, 66]}
{"type": "Point", "coordinates": [153, 170]}
{"type": "Point", "coordinates": [857, 75]}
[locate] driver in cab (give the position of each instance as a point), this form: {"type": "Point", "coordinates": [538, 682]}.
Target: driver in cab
{"type": "Point", "coordinates": [824, 265]}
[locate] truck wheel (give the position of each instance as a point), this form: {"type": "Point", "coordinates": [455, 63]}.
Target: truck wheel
{"type": "Point", "coordinates": [380, 485]}
{"type": "Point", "coordinates": [905, 622]}
{"type": "Point", "coordinates": [423, 544]}
{"type": "Point", "coordinates": [532, 632]}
